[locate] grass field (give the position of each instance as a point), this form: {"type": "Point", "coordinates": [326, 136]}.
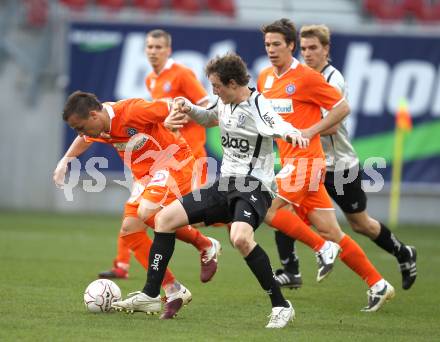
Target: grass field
{"type": "Point", "coordinates": [47, 260]}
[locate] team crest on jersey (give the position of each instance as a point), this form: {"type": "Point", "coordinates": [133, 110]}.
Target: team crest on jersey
{"type": "Point", "coordinates": [167, 87]}
{"type": "Point", "coordinates": [290, 89]}
{"type": "Point", "coordinates": [241, 121]}
{"type": "Point", "coordinates": [131, 131]}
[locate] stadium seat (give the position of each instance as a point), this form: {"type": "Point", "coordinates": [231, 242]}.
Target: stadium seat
{"type": "Point", "coordinates": [148, 5]}
{"type": "Point", "coordinates": [112, 5]}
{"type": "Point", "coordinates": [225, 7]}
{"type": "Point", "coordinates": [75, 4]}
{"type": "Point", "coordinates": [188, 6]}
{"type": "Point", "coordinates": [37, 12]}
{"type": "Point", "coordinates": [425, 10]}
{"type": "Point", "coordinates": [387, 9]}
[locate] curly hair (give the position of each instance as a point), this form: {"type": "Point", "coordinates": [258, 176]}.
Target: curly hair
{"type": "Point", "coordinates": [228, 67]}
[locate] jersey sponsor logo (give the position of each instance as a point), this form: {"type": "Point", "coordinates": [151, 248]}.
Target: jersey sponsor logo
{"type": "Point", "coordinates": [131, 131]}
{"type": "Point", "coordinates": [282, 106]}
{"type": "Point", "coordinates": [269, 120]}
{"type": "Point", "coordinates": [136, 143]}
{"type": "Point", "coordinates": [290, 89]}
{"type": "Point", "coordinates": [236, 143]}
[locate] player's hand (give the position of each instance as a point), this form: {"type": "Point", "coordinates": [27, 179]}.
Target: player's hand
{"type": "Point", "coordinates": [176, 119]}
{"type": "Point", "coordinates": [297, 140]}
{"type": "Point", "coordinates": [307, 133]}
{"type": "Point", "coordinates": [59, 174]}
{"type": "Point", "coordinates": [181, 105]}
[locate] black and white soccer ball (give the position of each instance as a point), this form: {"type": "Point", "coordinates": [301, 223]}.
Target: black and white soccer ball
{"type": "Point", "coordinates": [100, 294]}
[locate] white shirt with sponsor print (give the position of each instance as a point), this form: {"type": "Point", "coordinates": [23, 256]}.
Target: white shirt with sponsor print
{"type": "Point", "coordinates": [247, 131]}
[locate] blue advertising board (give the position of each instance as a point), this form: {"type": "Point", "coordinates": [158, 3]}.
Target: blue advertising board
{"type": "Point", "coordinates": [380, 69]}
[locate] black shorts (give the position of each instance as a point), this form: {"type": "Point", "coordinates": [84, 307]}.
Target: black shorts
{"type": "Point", "coordinates": [352, 199]}
{"type": "Point", "coordinates": [225, 202]}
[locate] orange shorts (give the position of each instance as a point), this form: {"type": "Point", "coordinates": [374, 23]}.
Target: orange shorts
{"type": "Point", "coordinates": [301, 183]}
{"type": "Point", "coordinates": [163, 187]}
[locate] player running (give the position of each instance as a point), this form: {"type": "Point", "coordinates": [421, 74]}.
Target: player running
{"type": "Point", "coordinates": [343, 165]}
{"type": "Point", "coordinates": [298, 93]}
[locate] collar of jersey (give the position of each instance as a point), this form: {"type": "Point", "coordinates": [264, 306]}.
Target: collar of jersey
{"type": "Point", "coordinates": [167, 65]}
{"type": "Point", "coordinates": [293, 66]}
{"type": "Point", "coordinates": [111, 113]}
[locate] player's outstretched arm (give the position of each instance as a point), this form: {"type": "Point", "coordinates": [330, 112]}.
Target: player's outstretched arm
{"type": "Point", "coordinates": [78, 147]}
{"type": "Point", "coordinates": [207, 117]}
{"type": "Point", "coordinates": [334, 116]}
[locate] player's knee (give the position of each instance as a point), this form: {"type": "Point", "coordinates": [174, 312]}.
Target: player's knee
{"type": "Point", "coordinates": [162, 222]}
{"type": "Point", "coordinates": [241, 242]}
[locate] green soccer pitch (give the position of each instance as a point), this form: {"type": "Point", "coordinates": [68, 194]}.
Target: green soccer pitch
{"type": "Point", "coordinates": [47, 260]}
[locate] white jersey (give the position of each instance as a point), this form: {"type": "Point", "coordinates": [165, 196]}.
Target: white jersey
{"type": "Point", "coordinates": [337, 147]}
{"type": "Point", "coordinates": [247, 132]}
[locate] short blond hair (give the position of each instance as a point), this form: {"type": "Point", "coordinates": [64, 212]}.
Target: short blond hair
{"type": "Point", "coordinates": [322, 32]}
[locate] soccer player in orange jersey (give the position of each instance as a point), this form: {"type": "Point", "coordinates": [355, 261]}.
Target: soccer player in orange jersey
{"type": "Point", "coordinates": [162, 166]}
{"type": "Point", "coordinates": [343, 164]}
{"type": "Point", "coordinates": [298, 93]}
{"type": "Point", "coordinates": [167, 81]}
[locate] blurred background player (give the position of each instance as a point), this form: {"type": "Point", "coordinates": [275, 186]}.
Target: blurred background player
{"type": "Point", "coordinates": [244, 190]}
{"type": "Point", "coordinates": [298, 93]}
{"type": "Point", "coordinates": [161, 163]}
{"type": "Point", "coordinates": [342, 164]}
{"type": "Point", "coordinates": [167, 81]}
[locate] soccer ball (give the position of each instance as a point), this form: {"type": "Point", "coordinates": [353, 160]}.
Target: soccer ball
{"type": "Point", "coordinates": [100, 294]}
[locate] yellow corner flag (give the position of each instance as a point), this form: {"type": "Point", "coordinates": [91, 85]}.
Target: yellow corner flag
{"type": "Point", "coordinates": [403, 125]}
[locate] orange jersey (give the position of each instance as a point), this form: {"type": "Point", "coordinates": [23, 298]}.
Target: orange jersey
{"type": "Point", "coordinates": [297, 96]}
{"type": "Point", "coordinates": [177, 80]}
{"type": "Point", "coordinates": [141, 140]}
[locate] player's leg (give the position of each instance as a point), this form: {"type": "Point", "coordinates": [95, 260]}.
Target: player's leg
{"type": "Point", "coordinates": [353, 256]}
{"type": "Point", "coordinates": [353, 202]}
{"type": "Point", "coordinates": [121, 263]}
{"type": "Point", "coordinates": [289, 275]}
{"type": "Point", "coordinates": [293, 226]}
{"type": "Point", "coordinates": [160, 254]}
{"type": "Point", "coordinates": [242, 238]}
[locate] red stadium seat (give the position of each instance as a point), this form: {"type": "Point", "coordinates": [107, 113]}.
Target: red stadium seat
{"type": "Point", "coordinates": [37, 12]}
{"type": "Point", "coordinates": [113, 5]}
{"type": "Point", "coordinates": [75, 4]}
{"type": "Point", "coordinates": [387, 9]}
{"type": "Point", "coordinates": [225, 7]}
{"type": "Point", "coordinates": [148, 5]}
{"type": "Point", "coordinates": [425, 10]}
{"type": "Point", "coordinates": [188, 6]}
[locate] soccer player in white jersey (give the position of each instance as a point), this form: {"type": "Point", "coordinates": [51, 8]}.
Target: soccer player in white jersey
{"type": "Point", "coordinates": [244, 190]}
{"type": "Point", "coordinates": [342, 163]}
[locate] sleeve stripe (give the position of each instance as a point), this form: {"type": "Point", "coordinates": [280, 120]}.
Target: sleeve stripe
{"type": "Point", "coordinates": [337, 103]}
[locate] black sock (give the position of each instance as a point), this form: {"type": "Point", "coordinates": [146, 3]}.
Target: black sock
{"type": "Point", "coordinates": [160, 254]}
{"type": "Point", "coordinates": [389, 242]}
{"type": "Point", "coordinates": [259, 263]}
{"type": "Point", "coordinates": [286, 252]}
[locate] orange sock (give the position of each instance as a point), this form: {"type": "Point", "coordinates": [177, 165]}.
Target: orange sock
{"type": "Point", "coordinates": [140, 244]}
{"type": "Point", "coordinates": [291, 225]}
{"type": "Point", "coordinates": [354, 257]}
{"type": "Point", "coordinates": [193, 236]}
{"type": "Point", "coordinates": [123, 254]}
